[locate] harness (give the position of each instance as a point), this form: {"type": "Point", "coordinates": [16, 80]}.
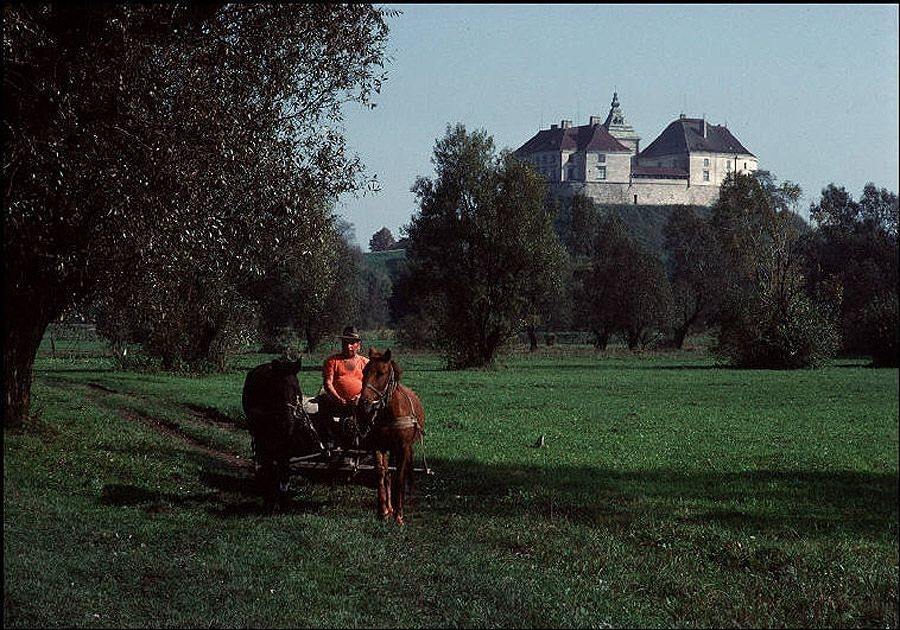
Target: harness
{"type": "Point", "coordinates": [401, 422]}
{"type": "Point", "coordinates": [299, 414]}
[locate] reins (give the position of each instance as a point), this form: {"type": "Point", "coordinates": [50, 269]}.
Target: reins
{"type": "Point", "coordinates": [298, 412]}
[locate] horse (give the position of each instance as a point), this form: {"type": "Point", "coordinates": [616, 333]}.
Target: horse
{"type": "Point", "coordinates": [270, 399]}
{"type": "Point", "coordinates": [394, 419]}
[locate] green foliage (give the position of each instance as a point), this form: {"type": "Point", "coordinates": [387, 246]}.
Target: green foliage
{"type": "Point", "coordinates": [624, 289]}
{"type": "Point", "coordinates": [852, 259]}
{"type": "Point", "coordinates": [382, 240]}
{"type": "Point", "coordinates": [755, 332]}
{"type": "Point", "coordinates": [697, 272]}
{"type": "Point", "coordinates": [148, 139]}
{"type": "Point", "coordinates": [374, 302]}
{"type": "Point", "coordinates": [767, 320]}
{"type": "Point", "coordinates": [882, 327]}
{"type": "Point", "coordinates": [482, 254]}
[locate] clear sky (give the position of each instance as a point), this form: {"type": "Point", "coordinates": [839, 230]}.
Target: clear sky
{"type": "Point", "coordinates": [811, 90]}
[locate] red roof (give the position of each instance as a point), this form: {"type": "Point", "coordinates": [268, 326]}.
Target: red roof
{"type": "Point", "coordinates": [583, 138]}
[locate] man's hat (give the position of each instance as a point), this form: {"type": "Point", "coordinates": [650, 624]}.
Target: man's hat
{"type": "Point", "coordinates": [351, 334]}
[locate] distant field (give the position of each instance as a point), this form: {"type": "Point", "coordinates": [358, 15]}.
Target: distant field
{"type": "Point", "coordinates": [669, 492]}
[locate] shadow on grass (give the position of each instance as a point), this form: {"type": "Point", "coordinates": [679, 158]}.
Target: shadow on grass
{"type": "Point", "coordinates": [786, 503]}
{"type": "Point", "coordinates": [792, 502]}
{"type": "Point", "coordinates": [600, 365]}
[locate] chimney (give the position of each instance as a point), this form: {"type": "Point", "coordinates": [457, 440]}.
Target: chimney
{"type": "Point", "coordinates": [554, 126]}
{"type": "Point", "coordinates": [595, 120]}
{"type": "Point", "coordinates": [704, 126]}
{"type": "Point", "coordinates": [565, 124]}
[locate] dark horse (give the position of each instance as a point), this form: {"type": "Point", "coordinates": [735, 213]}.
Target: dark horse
{"type": "Point", "coordinates": [395, 419]}
{"type": "Point", "coordinates": [270, 399]}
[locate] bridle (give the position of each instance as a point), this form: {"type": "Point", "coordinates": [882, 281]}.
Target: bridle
{"type": "Point", "coordinates": [379, 405]}
{"type": "Point", "coordinates": [384, 395]}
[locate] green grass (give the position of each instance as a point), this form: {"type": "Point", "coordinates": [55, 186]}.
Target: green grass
{"type": "Point", "coordinates": [668, 493]}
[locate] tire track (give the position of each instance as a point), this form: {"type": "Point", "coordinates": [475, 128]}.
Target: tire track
{"type": "Point", "coordinates": [100, 394]}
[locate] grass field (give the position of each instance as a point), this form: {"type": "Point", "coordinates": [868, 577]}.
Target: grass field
{"type": "Point", "coordinates": [669, 492]}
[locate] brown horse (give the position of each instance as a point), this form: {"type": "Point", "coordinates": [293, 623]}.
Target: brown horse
{"type": "Point", "coordinates": [395, 419]}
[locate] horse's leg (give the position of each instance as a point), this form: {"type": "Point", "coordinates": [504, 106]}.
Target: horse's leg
{"type": "Point", "coordinates": [403, 458]}
{"type": "Point", "coordinates": [384, 484]}
{"type": "Point", "coordinates": [283, 478]}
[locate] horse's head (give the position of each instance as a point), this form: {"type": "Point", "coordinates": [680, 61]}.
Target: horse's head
{"type": "Point", "coordinates": [380, 377]}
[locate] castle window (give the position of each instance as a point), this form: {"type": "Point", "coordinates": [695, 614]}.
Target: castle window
{"type": "Point", "coordinates": [601, 158]}
{"type": "Point", "coordinates": [745, 166]}
{"type": "Point", "coordinates": [635, 200]}
{"type": "Point", "coordinates": [570, 175]}
{"type": "Point", "coordinates": [706, 176]}
{"type": "Point", "coordinates": [601, 172]}
{"type": "Point", "coordinates": [728, 165]}
{"type": "Point", "coordinates": [705, 161]}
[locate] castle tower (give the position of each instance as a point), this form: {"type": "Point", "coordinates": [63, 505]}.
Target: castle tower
{"type": "Point", "coordinates": [619, 129]}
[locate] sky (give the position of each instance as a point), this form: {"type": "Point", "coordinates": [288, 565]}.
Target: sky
{"type": "Point", "coordinates": [811, 90]}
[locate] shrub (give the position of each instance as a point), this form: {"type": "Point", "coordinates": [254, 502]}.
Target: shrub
{"type": "Point", "coordinates": [880, 323]}
{"type": "Point", "coordinates": [757, 333]}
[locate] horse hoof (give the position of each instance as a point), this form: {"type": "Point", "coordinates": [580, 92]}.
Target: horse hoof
{"type": "Point", "coordinates": [399, 520]}
{"type": "Point", "coordinates": [386, 515]}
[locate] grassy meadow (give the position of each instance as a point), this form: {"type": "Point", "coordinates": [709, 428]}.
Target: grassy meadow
{"type": "Point", "coordinates": [668, 492]}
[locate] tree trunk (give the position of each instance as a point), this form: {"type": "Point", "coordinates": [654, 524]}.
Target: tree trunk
{"type": "Point", "coordinates": [601, 340]}
{"type": "Point", "coordinates": [24, 326]}
{"type": "Point", "coordinates": [532, 339]}
{"type": "Point", "coordinates": [680, 335]}
{"type": "Point", "coordinates": [313, 337]}
{"type": "Point", "coordinates": [633, 339]}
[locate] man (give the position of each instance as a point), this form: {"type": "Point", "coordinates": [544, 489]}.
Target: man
{"type": "Point", "coordinates": [342, 375]}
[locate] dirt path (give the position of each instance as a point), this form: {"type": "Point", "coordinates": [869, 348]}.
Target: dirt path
{"type": "Point", "coordinates": [173, 430]}
{"type": "Point", "coordinates": [209, 416]}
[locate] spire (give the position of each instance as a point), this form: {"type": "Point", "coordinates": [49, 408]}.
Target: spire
{"type": "Point", "coordinates": [615, 117]}
{"type": "Point", "coordinates": [618, 127]}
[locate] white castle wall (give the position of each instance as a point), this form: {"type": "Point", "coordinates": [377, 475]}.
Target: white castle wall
{"type": "Point", "coordinates": [648, 192]}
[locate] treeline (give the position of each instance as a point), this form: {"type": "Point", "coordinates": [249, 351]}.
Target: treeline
{"type": "Point", "coordinates": [490, 255]}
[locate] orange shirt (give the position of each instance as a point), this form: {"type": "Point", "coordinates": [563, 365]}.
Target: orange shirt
{"type": "Point", "coordinates": [346, 374]}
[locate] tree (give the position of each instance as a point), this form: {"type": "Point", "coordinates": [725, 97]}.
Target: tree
{"type": "Point", "coordinates": [340, 304]}
{"type": "Point", "coordinates": [625, 289]}
{"type": "Point", "coordinates": [644, 297]}
{"type": "Point", "coordinates": [382, 240]}
{"type": "Point", "coordinates": [582, 226]}
{"type": "Point", "coordinates": [767, 318]}
{"type": "Point", "coordinates": [482, 250]}
{"type": "Point", "coordinates": [142, 136]}
{"type": "Point", "coordinates": [852, 262]}
{"type": "Point", "coordinates": [374, 301]}
{"type": "Point", "coordinates": [598, 284]}
{"type": "Point", "coordinates": [697, 274]}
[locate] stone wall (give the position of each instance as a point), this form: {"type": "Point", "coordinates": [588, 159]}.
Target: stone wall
{"type": "Point", "coordinates": [657, 192]}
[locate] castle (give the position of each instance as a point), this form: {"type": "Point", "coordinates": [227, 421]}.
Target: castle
{"type": "Point", "coordinates": [686, 164]}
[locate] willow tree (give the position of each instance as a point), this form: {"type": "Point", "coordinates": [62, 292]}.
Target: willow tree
{"type": "Point", "coordinates": [154, 139]}
{"type": "Point", "coordinates": [482, 252]}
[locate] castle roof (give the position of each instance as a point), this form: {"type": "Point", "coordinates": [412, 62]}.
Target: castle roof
{"type": "Point", "coordinates": [616, 124]}
{"type": "Point", "coordinates": [583, 138]}
{"type": "Point", "coordinates": [685, 135]}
